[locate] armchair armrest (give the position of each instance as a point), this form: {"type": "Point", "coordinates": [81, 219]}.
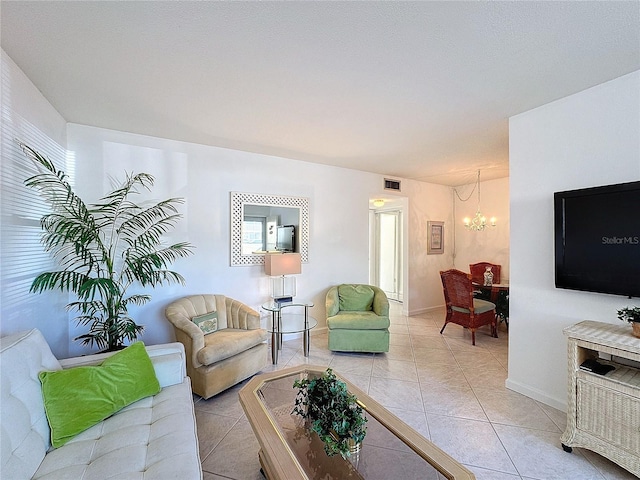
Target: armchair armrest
{"type": "Point", "coordinates": [380, 302]}
{"type": "Point", "coordinates": [240, 315]}
{"type": "Point", "coordinates": [168, 359]}
{"type": "Point", "coordinates": [332, 302]}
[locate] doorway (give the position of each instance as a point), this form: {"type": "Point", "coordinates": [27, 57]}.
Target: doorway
{"type": "Point", "coordinates": [386, 264]}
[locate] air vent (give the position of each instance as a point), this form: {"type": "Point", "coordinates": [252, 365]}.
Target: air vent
{"type": "Point", "coordinates": [391, 184]}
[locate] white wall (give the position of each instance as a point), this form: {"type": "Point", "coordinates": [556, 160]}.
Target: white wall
{"type": "Point", "coordinates": [205, 176]}
{"type": "Point", "coordinates": [427, 202]}
{"type": "Point", "coordinates": [492, 243]}
{"type": "Point", "coordinates": [30, 118]}
{"type": "Point", "coordinates": [588, 139]}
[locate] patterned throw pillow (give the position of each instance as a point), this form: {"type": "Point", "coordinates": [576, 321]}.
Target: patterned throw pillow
{"type": "Point", "coordinates": [208, 322]}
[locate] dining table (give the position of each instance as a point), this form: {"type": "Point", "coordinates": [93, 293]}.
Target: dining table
{"type": "Point", "coordinates": [497, 293]}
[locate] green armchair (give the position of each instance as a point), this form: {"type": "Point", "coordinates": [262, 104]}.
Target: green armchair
{"type": "Point", "coordinates": [357, 318]}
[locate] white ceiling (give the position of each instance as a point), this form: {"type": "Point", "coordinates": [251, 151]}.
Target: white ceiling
{"type": "Point", "coordinates": [419, 90]}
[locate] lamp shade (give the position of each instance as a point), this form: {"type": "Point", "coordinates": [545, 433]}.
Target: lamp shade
{"type": "Point", "coordinates": [276, 264]}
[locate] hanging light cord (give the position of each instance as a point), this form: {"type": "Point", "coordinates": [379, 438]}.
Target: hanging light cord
{"type": "Point", "coordinates": [477, 184]}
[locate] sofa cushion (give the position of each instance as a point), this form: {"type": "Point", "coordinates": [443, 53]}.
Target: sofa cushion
{"type": "Point", "coordinates": [358, 321]}
{"type": "Point", "coordinates": [229, 342]}
{"type": "Point", "coordinates": [479, 306]}
{"type": "Point", "coordinates": [80, 397]}
{"type": "Point", "coordinates": [25, 431]}
{"type": "Point", "coordinates": [150, 439]}
{"type": "Point", "coordinates": [355, 297]}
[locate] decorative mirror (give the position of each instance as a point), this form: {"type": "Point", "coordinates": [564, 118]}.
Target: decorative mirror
{"type": "Point", "coordinates": [261, 223]}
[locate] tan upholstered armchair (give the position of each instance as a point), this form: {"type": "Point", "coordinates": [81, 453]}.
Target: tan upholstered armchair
{"type": "Point", "coordinates": [219, 360]}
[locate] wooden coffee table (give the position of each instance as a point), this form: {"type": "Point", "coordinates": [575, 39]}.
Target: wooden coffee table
{"type": "Point", "coordinates": [290, 451]}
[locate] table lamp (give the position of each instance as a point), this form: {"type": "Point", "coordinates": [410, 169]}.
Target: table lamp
{"type": "Point", "coordinates": [278, 266]}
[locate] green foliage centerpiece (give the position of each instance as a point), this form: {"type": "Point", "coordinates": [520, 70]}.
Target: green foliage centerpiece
{"type": "Point", "coordinates": [102, 249]}
{"type": "Point", "coordinates": [631, 315]}
{"type": "Point", "coordinates": [334, 413]}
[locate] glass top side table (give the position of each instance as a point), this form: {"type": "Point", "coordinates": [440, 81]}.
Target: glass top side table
{"type": "Point", "coordinates": [289, 317]}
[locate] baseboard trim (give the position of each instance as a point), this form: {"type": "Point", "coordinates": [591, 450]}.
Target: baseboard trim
{"type": "Point", "coordinates": [425, 310]}
{"type": "Point", "coordinates": [536, 394]}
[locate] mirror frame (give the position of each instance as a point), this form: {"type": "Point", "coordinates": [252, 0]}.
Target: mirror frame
{"type": "Point", "coordinates": [239, 200]}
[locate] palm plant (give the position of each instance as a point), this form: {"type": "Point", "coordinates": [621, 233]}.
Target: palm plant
{"type": "Point", "coordinates": [102, 249]}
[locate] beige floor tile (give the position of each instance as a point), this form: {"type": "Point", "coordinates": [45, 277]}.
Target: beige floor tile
{"type": "Point", "coordinates": [484, 474]}
{"type": "Point", "coordinates": [316, 357]}
{"type": "Point", "coordinates": [425, 330]}
{"type": "Point", "coordinates": [399, 328]}
{"type": "Point", "coordinates": [399, 339]}
{"type": "Point", "coordinates": [211, 430]}
{"type": "Point", "coordinates": [424, 319]}
{"type": "Point", "coordinates": [476, 358]}
{"type": "Point", "coordinates": [236, 456]}
{"type": "Point", "coordinates": [609, 470]}
{"type": "Point", "coordinates": [358, 364]}
{"type": "Point", "coordinates": [538, 454]}
{"type": "Point", "coordinates": [429, 355]}
{"type": "Point", "coordinates": [453, 401]}
{"type": "Point", "coordinates": [360, 381]}
{"type": "Point", "coordinates": [557, 416]}
{"type": "Point", "coordinates": [212, 476]}
{"type": "Point", "coordinates": [396, 369]}
{"type": "Point", "coordinates": [443, 387]}
{"type": "Point", "coordinates": [400, 352]}
{"type": "Point", "coordinates": [441, 374]}
{"type": "Point", "coordinates": [486, 377]}
{"type": "Point", "coordinates": [396, 393]}
{"type": "Point", "coordinates": [225, 403]}
{"type": "Point", "coordinates": [471, 442]}
{"type": "Point", "coordinates": [397, 320]}
{"type": "Point", "coordinates": [436, 342]}
{"type": "Point", "coordinates": [511, 408]}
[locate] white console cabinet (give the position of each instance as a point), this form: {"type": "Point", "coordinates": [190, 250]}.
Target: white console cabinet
{"type": "Point", "coordinates": [603, 411]}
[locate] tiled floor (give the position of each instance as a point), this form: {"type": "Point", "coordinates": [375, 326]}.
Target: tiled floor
{"type": "Point", "coordinates": [449, 391]}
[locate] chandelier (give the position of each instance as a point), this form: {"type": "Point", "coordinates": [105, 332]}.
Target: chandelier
{"type": "Point", "coordinates": [479, 221]}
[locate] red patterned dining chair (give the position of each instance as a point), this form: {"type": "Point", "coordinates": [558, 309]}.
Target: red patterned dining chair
{"type": "Point", "coordinates": [462, 308]}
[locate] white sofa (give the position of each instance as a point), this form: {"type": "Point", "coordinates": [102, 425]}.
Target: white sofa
{"type": "Point", "coordinates": [154, 438]}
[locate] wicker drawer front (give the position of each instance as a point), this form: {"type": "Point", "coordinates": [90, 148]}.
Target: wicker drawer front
{"type": "Point", "coordinates": [609, 415]}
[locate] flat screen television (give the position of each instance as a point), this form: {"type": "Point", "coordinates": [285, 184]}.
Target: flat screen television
{"type": "Point", "coordinates": [597, 239]}
{"type": "Point", "coordinates": [286, 238]}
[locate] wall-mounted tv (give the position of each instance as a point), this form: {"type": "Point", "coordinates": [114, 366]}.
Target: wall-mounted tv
{"type": "Point", "coordinates": [597, 239]}
{"type": "Point", "coordinates": [286, 240]}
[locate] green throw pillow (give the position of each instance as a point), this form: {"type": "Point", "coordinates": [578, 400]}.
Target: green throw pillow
{"type": "Point", "coordinates": [208, 322]}
{"type": "Point", "coordinates": [80, 397]}
{"type": "Point", "coordinates": [355, 298]}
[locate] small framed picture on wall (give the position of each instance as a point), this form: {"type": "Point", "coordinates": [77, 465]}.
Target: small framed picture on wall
{"type": "Point", "coordinates": [435, 241]}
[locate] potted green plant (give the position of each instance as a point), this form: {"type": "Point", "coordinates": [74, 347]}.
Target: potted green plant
{"type": "Point", "coordinates": [631, 315]}
{"type": "Point", "coordinates": [333, 411]}
{"type": "Point", "coordinates": [102, 249]}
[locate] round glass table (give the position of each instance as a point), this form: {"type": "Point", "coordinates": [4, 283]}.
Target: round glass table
{"type": "Point", "coordinates": [289, 317]}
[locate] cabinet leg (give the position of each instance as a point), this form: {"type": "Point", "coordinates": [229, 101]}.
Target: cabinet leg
{"type": "Point", "coordinates": [567, 448]}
